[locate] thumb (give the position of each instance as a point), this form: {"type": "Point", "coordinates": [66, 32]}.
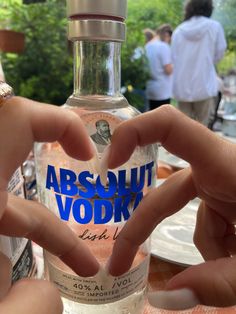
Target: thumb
{"type": "Point", "coordinates": [29, 296]}
{"type": "Point", "coordinates": [212, 283]}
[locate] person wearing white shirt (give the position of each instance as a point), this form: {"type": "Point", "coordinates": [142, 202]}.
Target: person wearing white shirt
{"type": "Point", "coordinates": [159, 86]}
{"type": "Point", "coordinates": [198, 44]}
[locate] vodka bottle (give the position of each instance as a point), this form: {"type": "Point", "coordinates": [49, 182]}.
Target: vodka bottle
{"type": "Point", "coordinates": [97, 211]}
{"type": "Point", "coordinates": [18, 250]}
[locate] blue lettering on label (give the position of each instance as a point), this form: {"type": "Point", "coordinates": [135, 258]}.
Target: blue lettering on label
{"type": "Point", "coordinates": [84, 197]}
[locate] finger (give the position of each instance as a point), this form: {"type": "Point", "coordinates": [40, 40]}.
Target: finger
{"type": "Point", "coordinates": [25, 121]}
{"type": "Point", "coordinates": [230, 243]}
{"type": "Point", "coordinates": [64, 126]}
{"type": "Point", "coordinates": [171, 196]}
{"type": "Point", "coordinates": [212, 283]}
{"type": "Point", "coordinates": [32, 297]}
{"type": "Point", "coordinates": [5, 275]}
{"type": "Point", "coordinates": [178, 134]}
{"type": "Point", "coordinates": [3, 196]}
{"type": "Point", "coordinates": [210, 233]}
{"type": "Point", "coordinates": [32, 220]}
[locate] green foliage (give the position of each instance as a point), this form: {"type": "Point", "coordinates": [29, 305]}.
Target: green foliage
{"type": "Point", "coordinates": [44, 71]}
{"type": "Point", "coordinates": [225, 12]}
{"type": "Point", "coordinates": [228, 63]}
{"type": "Point", "coordinates": [5, 13]}
{"type": "Point", "coordinates": [144, 14]}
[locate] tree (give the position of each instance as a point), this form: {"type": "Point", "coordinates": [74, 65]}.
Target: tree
{"type": "Point", "coordinates": [144, 14]}
{"type": "Point", "coordinates": [225, 12]}
{"type": "Point", "coordinates": [44, 71]}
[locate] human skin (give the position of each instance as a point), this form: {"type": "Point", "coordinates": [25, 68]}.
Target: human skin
{"type": "Point", "coordinates": [22, 122]}
{"type": "Point", "coordinates": [211, 177]}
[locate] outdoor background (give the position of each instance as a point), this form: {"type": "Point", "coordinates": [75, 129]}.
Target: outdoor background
{"type": "Point", "coordinates": [44, 70]}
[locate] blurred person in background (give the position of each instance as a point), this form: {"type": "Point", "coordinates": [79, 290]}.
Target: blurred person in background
{"type": "Point", "coordinates": [197, 45]}
{"type": "Point", "coordinates": [149, 34]}
{"type": "Point", "coordinates": [159, 86]}
{"type": "Point", "coordinates": [165, 33]}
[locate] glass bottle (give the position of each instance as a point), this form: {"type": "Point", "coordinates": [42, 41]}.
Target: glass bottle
{"type": "Point", "coordinates": [73, 190]}
{"type": "Point", "coordinates": [18, 250]}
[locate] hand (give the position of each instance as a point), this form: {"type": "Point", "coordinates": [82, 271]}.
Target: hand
{"type": "Point", "coordinates": [212, 177]}
{"type": "Point", "coordinates": [22, 122]}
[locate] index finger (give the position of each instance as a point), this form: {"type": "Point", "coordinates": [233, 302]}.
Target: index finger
{"type": "Point", "coordinates": [179, 134]}
{"type": "Point", "coordinates": [24, 121]}
{"type": "Point", "coordinates": [160, 203]}
{"type": "Point", "coordinates": [32, 220]}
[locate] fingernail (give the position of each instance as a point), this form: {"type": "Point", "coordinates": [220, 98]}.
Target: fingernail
{"type": "Point", "coordinates": [173, 300]}
{"type": "Point", "coordinates": [104, 165]}
{"type": "Point", "coordinates": [105, 279]}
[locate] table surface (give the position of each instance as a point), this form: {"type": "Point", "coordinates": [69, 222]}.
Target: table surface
{"type": "Point", "coordinates": [176, 163]}
{"type": "Point", "coordinates": [159, 274]}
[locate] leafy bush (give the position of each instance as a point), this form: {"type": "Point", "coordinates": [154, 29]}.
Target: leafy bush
{"type": "Point", "coordinates": [143, 14]}
{"type": "Point", "coordinates": [225, 13]}
{"type": "Point", "coordinates": [44, 71]}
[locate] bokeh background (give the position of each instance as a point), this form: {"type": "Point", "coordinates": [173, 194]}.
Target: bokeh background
{"type": "Point", "coordinates": [42, 69]}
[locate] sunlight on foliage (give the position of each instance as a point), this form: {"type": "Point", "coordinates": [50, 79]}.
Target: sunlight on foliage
{"type": "Point", "coordinates": [44, 71]}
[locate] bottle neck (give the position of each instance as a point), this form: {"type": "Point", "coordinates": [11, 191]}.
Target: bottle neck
{"type": "Point", "coordinates": [97, 68]}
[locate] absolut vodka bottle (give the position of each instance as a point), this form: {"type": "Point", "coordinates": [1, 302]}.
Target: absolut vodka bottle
{"type": "Point", "coordinates": [73, 190]}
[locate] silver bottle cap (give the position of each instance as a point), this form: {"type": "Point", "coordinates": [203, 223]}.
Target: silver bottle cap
{"type": "Point", "coordinates": [109, 8]}
{"type": "Point", "coordinates": [96, 20]}
{"type": "Point", "coordinates": [96, 30]}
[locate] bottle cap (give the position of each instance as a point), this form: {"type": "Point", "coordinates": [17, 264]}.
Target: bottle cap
{"type": "Point", "coordinates": [96, 20]}
{"type": "Point", "coordinates": [96, 30]}
{"type": "Point", "coordinates": [107, 8]}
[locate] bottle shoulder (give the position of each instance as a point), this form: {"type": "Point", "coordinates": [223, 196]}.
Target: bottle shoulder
{"type": "Point", "coordinates": [116, 106]}
{"type": "Point", "coordinates": [101, 119]}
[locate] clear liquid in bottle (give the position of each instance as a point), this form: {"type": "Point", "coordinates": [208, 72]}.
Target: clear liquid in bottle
{"type": "Point", "coordinates": [72, 189]}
